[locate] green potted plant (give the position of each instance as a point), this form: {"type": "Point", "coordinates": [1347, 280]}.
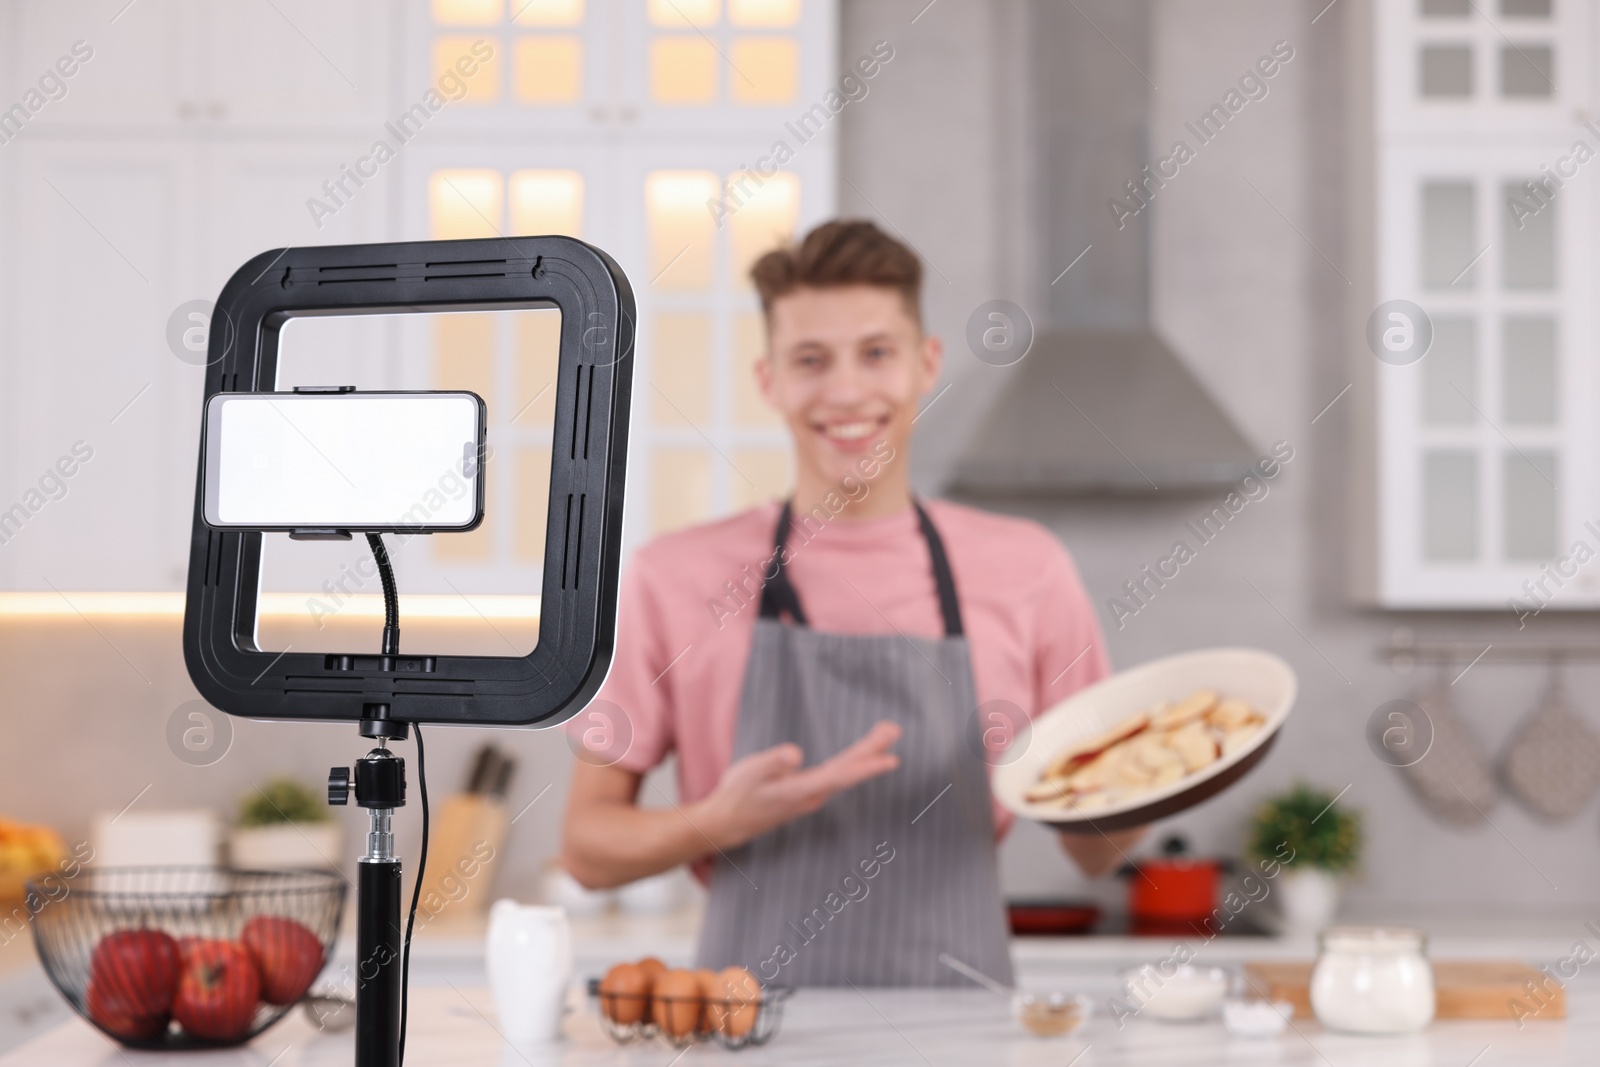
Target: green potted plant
{"type": "Point", "coordinates": [283, 823]}
{"type": "Point", "coordinates": [1315, 841]}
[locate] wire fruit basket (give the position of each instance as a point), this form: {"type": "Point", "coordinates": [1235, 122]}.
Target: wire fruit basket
{"type": "Point", "coordinates": [186, 957]}
{"type": "Point", "coordinates": [734, 1023]}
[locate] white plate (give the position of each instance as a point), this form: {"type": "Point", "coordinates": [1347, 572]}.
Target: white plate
{"type": "Point", "coordinates": [1261, 679]}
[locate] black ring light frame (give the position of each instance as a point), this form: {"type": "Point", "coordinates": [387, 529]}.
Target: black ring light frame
{"type": "Point", "coordinates": [577, 621]}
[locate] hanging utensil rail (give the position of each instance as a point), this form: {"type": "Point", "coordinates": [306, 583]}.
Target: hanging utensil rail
{"type": "Point", "coordinates": [1403, 650]}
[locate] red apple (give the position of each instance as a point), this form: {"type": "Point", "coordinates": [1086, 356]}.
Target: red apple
{"type": "Point", "coordinates": [288, 955]}
{"type": "Point", "coordinates": [133, 975]}
{"type": "Point", "coordinates": [218, 991]}
{"type": "Point", "coordinates": [117, 1017]}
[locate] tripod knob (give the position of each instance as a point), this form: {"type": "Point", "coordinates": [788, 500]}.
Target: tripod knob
{"type": "Point", "coordinates": [339, 786]}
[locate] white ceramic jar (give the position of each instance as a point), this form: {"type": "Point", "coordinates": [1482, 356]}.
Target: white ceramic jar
{"type": "Point", "coordinates": [1372, 980]}
{"type": "Point", "coordinates": [529, 958]}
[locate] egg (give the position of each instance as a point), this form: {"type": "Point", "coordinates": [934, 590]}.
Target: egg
{"type": "Point", "coordinates": [678, 1002]}
{"type": "Point", "coordinates": [625, 993]}
{"type": "Point", "coordinates": [711, 990]}
{"type": "Point", "coordinates": [652, 968]}
{"type": "Point", "coordinates": [737, 1002]}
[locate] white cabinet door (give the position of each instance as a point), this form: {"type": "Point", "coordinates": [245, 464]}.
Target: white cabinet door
{"type": "Point", "coordinates": [142, 67]}
{"type": "Point", "coordinates": [267, 194]}
{"type": "Point", "coordinates": [302, 63]}
{"type": "Point", "coordinates": [101, 252]}
{"type": "Point", "coordinates": [164, 63]}
{"type": "Point", "coordinates": [108, 242]}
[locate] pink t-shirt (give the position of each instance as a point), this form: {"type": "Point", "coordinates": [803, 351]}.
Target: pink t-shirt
{"type": "Point", "coordinates": [689, 602]}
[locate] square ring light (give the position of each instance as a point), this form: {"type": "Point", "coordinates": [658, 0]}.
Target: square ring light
{"type": "Point", "coordinates": [577, 622]}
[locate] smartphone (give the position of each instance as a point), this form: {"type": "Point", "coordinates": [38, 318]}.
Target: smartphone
{"type": "Point", "coordinates": [344, 461]}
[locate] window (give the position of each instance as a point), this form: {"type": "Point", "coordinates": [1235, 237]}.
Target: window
{"type": "Point", "coordinates": [1485, 465]}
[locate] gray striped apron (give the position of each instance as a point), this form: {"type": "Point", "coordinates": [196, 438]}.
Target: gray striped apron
{"type": "Point", "coordinates": [872, 887]}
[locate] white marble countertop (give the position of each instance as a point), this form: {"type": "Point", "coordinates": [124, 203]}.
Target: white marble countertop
{"type": "Point", "coordinates": [453, 1019]}
{"type": "Point", "coordinates": [456, 1025]}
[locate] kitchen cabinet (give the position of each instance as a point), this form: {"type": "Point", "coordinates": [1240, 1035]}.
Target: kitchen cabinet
{"type": "Point", "coordinates": [176, 64]}
{"type": "Point", "coordinates": [141, 70]}
{"type": "Point", "coordinates": [1485, 486]}
{"type": "Point", "coordinates": [652, 118]}
{"type": "Point", "coordinates": [200, 134]}
{"type": "Point", "coordinates": [190, 140]}
{"type": "Point", "coordinates": [98, 240]}
{"type": "Point", "coordinates": [106, 239]}
{"type": "Point", "coordinates": [306, 64]}
{"type": "Point", "coordinates": [650, 69]}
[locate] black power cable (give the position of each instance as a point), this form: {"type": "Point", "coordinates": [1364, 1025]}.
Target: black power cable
{"type": "Point", "coordinates": [391, 647]}
{"type": "Point", "coordinates": [416, 890]}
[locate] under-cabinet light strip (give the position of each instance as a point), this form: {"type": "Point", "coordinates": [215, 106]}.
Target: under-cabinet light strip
{"type": "Point", "coordinates": [277, 605]}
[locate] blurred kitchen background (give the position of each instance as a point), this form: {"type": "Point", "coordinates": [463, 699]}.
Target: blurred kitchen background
{"type": "Point", "coordinates": [1216, 307]}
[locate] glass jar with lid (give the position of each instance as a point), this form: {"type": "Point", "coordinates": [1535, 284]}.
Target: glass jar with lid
{"type": "Point", "coordinates": [1372, 980]}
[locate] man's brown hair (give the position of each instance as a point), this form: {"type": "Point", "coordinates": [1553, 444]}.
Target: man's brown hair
{"type": "Point", "coordinates": [838, 253]}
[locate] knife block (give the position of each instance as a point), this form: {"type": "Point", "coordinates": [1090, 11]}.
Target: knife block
{"type": "Point", "coordinates": [466, 840]}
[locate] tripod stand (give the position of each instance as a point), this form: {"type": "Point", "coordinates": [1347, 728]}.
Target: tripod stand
{"type": "Point", "coordinates": [391, 695]}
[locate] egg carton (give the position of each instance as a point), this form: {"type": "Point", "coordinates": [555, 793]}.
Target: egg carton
{"type": "Point", "coordinates": [733, 1032]}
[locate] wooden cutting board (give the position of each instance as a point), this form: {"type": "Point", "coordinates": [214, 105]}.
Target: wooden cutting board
{"type": "Point", "coordinates": [1463, 989]}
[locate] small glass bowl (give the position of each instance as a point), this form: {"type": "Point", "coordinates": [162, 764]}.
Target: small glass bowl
{"type": "Point", "coordinates": [1051, 1014]}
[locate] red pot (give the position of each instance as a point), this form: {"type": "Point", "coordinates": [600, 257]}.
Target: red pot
{"type": "Point", "coordinates": [1174, 889]}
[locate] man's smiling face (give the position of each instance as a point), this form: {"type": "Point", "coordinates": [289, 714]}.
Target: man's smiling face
{"type": "Point", "coordinates": [846, 366]}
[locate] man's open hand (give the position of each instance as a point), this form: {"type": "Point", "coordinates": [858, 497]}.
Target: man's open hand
{"type": "Point", "coordinates": [766, 789]}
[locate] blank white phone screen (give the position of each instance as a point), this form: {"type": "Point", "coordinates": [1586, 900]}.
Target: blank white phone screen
{"type": "Point", "coordinates": [344, 461]}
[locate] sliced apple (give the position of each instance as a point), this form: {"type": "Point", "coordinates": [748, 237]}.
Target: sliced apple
{"type": "Point", "coordinates": [1237, 738]}
{"type": "Point", "coordinates": [1190, 709]}
{"type": "Point", "coordinates": [1231, 714]}
{"type": "Point", "coordinates": [1195, 745]}
{"type": "Point", "coordinates": [1077, 755]}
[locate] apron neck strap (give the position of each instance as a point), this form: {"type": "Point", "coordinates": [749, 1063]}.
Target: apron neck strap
{"type": "Point", "coordinates": [949, 606]}
{"type": "Point", "coordinates": [778, 596]}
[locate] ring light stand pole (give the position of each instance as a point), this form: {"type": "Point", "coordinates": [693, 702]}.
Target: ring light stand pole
{"type": "Point", "coordinates": [380, 787]}
{"type": "Point", "coordinates": [386, 694]}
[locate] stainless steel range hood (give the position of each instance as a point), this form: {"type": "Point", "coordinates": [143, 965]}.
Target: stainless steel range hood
{"type": "Point", "coordinates": [1101, 403]}
{"type": "Point", "coordinates": [1108, 412]}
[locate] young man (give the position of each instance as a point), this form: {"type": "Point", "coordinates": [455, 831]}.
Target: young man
{"type": "Point", "coordinates": [825, 668]}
